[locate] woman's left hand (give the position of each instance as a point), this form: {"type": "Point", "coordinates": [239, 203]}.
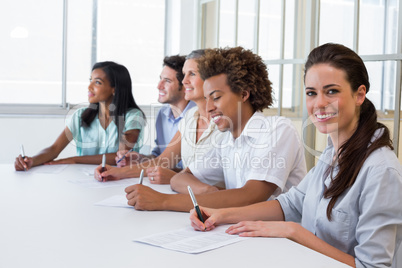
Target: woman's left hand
{"type": "Point", "coordinates": [263, 228]}
{"type": "Point", "coordinates": [160, 175]}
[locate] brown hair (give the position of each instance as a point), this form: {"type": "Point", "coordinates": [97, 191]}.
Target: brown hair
{"type": "Point", "coordinates": [352, 154]}
{"type": "Point", "coordinates": [244, 70]}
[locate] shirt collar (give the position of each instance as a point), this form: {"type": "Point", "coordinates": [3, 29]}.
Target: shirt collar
{"type": "Point", "coordinates": [169, 113]}
{"type": "Point", "coordinates": [253, 128]}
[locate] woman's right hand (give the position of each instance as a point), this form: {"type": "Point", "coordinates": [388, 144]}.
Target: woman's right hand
{"type": "Point", "coordinates": [211, 219]}
{"type": "Point", "coordinates": [21, 164]}
{"type": "Point", "coordinates": [131, 158]}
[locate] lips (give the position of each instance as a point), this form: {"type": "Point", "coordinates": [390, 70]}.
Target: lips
{"type": "Point", "coordinates": [325, 116]}
{"type": "Point", "coordinates": [90, 94]}
{"type": "Point", "coordinates": [189, 89]}
{"type": "Point", "coordinates": [162, 93]}
{"type": "Point", "coordinates": [216, 117]}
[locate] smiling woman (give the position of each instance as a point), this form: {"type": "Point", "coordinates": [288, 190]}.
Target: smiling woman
{"type": "Point", "coordinates": [112, 120]}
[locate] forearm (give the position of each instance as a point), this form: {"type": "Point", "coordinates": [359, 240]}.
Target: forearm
{"type": "Point", "coordinates": [263, 211]}
{"type": "Point", "coordinates": [94, 159]}
{"type": "Point", "coordinates": [183, 179]}
{"type": "Point", "coordinates": [44, 156]}
{"type": "Point", "coordinates": [304, 237]}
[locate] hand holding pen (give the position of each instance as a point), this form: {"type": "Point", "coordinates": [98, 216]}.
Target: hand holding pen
{"type": "Point", "coordinates": [103, 164]}
{"type": "Point", "coordinates": [22, 162]}
{"type": "Point", "coordinates": [196, 207]}
{"type": "Point", "coordinates": [121, 156]}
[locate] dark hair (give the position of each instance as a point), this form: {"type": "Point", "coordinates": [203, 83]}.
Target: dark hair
{"type": "Point", "coordinates": [352, 154]}
{"type": "Point", "coordinates": [123, 100]}
{"type": "Point", "coordinates": [176, 63]}
{"type": "Point", "coordinates": [244, 70]}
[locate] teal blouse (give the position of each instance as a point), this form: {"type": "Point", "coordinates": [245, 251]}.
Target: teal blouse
{"type": "Point", "coordinates": [94, 140]}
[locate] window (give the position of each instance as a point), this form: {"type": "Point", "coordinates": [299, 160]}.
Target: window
{"type": "Point", "coordinates": [283, 32]}
{"type": "Point", "coordinates": [130, 32]}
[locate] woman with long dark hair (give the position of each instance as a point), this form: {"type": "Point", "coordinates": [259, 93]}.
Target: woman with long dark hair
{"type": "Point", "coordinates": [348, 205]}
{"type": "Point", "coordinates": [112, 120]}
{"type": "Point", "coordinates": [195, 136]}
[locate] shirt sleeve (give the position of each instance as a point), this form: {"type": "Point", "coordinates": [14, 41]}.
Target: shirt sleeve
{"type": "Point", "coordinates": [208, 168]}
{"type": "Point", "coordinates": [74, 122]}
{"type": "Point", "coordinates": [279, 155]}
{"type": "Point", "coordinates": [292, 201]}
{"type": "Point", "coordinates": [134, 120]}
{"type": "Point", "coordinates": [156, 151]}
{"type": "Point", "coordinates": [381, 218]}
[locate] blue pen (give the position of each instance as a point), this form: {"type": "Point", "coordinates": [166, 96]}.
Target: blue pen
{"type": "Point", "coordinates": [124, 156]}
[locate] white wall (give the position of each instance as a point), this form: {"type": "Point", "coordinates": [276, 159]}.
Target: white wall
{"type": "Point", "coordinates": [38, 132]}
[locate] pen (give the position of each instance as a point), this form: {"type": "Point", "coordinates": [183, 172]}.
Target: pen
{"type": "Point", "coordinates": [141, 176]}
{"type": "Point", "coordinates": [124, 156]}
{"type": "Point", "coordinates": [23, 154]}
{"type": "Point", "coordinates": [103, 164]}
{"type": "Point", "coordinates": [197, 208]}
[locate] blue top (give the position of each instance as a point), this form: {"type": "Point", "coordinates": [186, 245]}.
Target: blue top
{"type": "Point", "coordinates": [366, 219]}
{"type": "Point", "coordinates": [94, 140]}
{"type": "Point", "coordinates": [166, 127]}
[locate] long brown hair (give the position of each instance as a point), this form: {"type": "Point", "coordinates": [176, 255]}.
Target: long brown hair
{"type": "Point", "coordinates": [352, 154]}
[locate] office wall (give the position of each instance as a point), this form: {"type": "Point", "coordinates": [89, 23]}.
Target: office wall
{"type": "Point", "coordinates": [36, 133]}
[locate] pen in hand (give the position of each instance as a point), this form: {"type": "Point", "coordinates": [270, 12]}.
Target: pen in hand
{"type": "Point", "coordinates": [124, 156]}
{"type": "Point", "coordinates": [23, 154]}
{"type": "Point", "coordinates": [103, 164]}
{"type": "Point", "coordinates": [141, 177]}
{"type": "Point", "coordinates": [197, 208]}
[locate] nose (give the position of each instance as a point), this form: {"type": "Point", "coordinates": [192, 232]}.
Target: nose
{"type": "Point", "coordinates": [185, 80]}
{"type": "Point", "coordinates": [160, 84]}
{"type": "Point", "coordinates": [320, 101]}
{"type": "Point", "coordinates": [210, 105]}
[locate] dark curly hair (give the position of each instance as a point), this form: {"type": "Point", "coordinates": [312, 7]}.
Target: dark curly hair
{"type": "Point", "coordinates": [244, 70]}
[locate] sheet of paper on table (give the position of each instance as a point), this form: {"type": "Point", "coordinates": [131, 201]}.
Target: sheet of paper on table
{"type": "Point", "coordinates": [188, 240]}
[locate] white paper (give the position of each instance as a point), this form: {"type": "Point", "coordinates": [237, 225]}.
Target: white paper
{"type": "Point", "coordinates": [93, 183]}
{"type": "Point", "coordinates": [114, 201]}
{"type": "Point", "coordinates": [188, 240]}
{"type": "Point", "coordinates": [89, 171]}
{"type": "Point", "coordinates": [49, 169]}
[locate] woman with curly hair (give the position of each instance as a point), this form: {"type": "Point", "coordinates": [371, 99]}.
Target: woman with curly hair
{"type": "Point", "coordinates": [258, 157]}
{"type": "Point", "coordinates": [347, 207]}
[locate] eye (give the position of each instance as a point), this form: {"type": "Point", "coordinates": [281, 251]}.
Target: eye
{"type": "Point", "coordinates": [216, 98]}
{"type": "Point", "coordinates": [310, 93]}
{"type": "Point", "coordinates": [333, 91]}
{"type": "Point", "coordinates": [98, 83]}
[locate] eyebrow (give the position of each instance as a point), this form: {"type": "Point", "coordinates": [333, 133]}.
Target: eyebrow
{"type": "Point", "coordinates": [325, 87]}
{"type": "Point", "coordinates": [214, 92]}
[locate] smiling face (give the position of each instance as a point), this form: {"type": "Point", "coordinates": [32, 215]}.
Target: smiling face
{"type": "Point", "coordinates": [331, 104]}
{"type": "Point", "coordinates": [192, 81]}
{"type": "Point", "coordinates": [223, 104]}
{"type": "Point", "coordinates": [99, 89]}
{"type": "Point", "coordinates": [169, 87]}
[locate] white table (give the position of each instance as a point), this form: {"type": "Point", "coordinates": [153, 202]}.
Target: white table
{"type": "Point", "coordinates": [47, 221]}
